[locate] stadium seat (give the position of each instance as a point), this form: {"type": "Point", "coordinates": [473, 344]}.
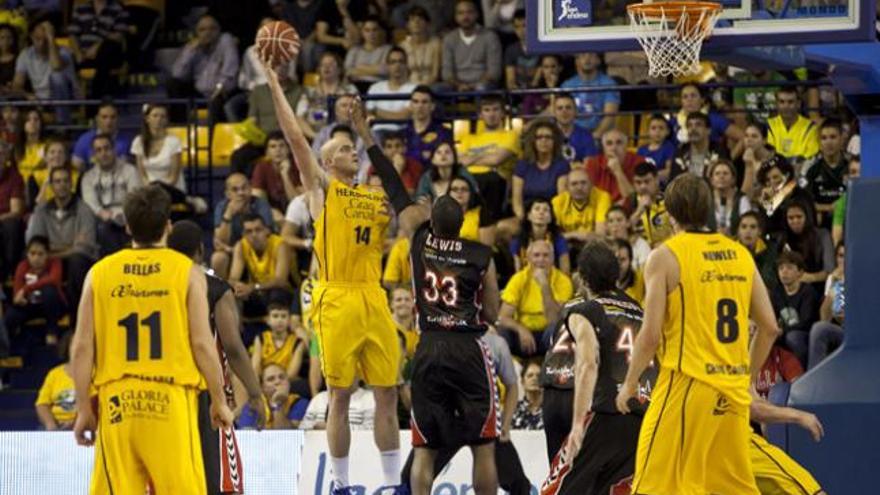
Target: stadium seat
{"type": "Point", "coordinates": [310, 80]}
{"type": "Point", "coordinates": [225, 141]}
{"type": "Point", "coordinates": [192, 137]}
{"type": "Point", "coordinates": [460, 128]}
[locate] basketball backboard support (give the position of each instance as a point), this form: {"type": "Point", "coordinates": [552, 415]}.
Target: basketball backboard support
{"type": "Point", "coordinates": [566, 26]}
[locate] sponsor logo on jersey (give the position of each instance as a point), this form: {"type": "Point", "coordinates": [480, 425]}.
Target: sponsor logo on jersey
{"type": "Point", "coordinates": [151, 404]}
{"type": "Point", "coordinates": [128, 290]}
{"type": "Point", "coordinates": [710, 276]}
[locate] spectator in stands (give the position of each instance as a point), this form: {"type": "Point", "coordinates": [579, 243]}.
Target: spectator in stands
{"type": "Point", "coordinates": [660, 149]}
{"type": "Point", "coordinates": [303, 16]}
{"type": "Point", "coordinates": [698, 153]}
{"type": "Point", "coordinates": [69, 225]}
{"type": "Point", "coordinates": [278, 345]}
{"type": "Point", "coordinates": [423, 133]}
{"type": "Point", "coordinates": [11, 124]}
{"type": "Point", "coordinates": [409, 169]}
{"type": "Point", "coordinates": [286, 409]}
{"type": "Point", "coordinates": [261, 111]}
{"type": "Point", "coordinates": [826, 175]}
{"type": "Point", "coordinates": [631, 280]}
{"type": "Point", "coordinates": [779, 188]}
{"type": "Point", "coordinates": [106, 123]}
{"type": "Point", "coordinates": [613, 170]}
{"type": "Point", "coordinates": [444, 167]}
{"type": "Point", "coordinates": [8, 54]}
{"type": "Point", "coordinates": [547, 76]}
{"type": "Point", "coordinates": [543, 172]}
{"type": "Point", "coordinates": [31, 144]}
{"type": "Point", "coordinates": [56, 401]}
{"type": "Point", "coordinates": [337, 29]}
{"type": "Point", "coordinates": [471, 54]}
{"type": "Point", "coordinates": [396, 84]}
{"type": "Point", "coordinates": [520, 70]}
{"type": "Point", "coordinates": [228, 215]}
{"type": "Point", "coordinates": [104, 188]}
{"type": "Point", "coordinates": [260, 267]}
{"type": "Point", "coordinates": [423, 49]}
{"type": "Point", "coordinates": [36, 289]}
{"type": "Point", "coordinates": [299, 233]}
{"type": "Point", "coordinates": [529, 412]}
{"type": "Point", "coordinates": [206, 68]}
{"type": "Point", "coordinates": [439, 16]}
{"type": "Point", "coordinates": [491, 153]}
{"type": "Point", "coordinates": [718, 128]}
{"type": "Point", "coordinates": [539, 224]}
{"type": "Point", "coordinates": [649, 218]}
{"type": "Point", "coordinates": [579, 142]}
{"type": "Point", "coordinates": [813, 243]}
{"type": "Point", "coordinates": [531, 301]}
{"type": "Point", "coordinates": [756, 152]}
{"type": "Point", "coordinates": [580, 210]}
{"type": "Point", "coordinates": [157, 153]}
{"type": "Point", "coordinates": [47, 68]}
{"type": "Point", "coordinates": [39, 190]}
{"type": "Point", "coordinates": [312, 108]}
{"type": "Point", "coordinates": [11, 211]}
{"type": "Point", "coordinates": [827, 333]}
{"type": "Point", "coordinates": [477, 225]}
{"type": "Point", "coordinates": [276, 178]}
{"type": "Point", "coordinates": [795, 303]}
{"type": "Point", "coordinates": [750, 232]}
{"type": "Point", "coordinates": [97, 32]}
{"type": "Point", "coordinates": [839, 218]}
{"type": "Point", "coordinates": [617, 226]}
{"type": "Point", "coordinates": [792, 135]}
{"type": "Point", "coordinates": [729, 203]}
{"type": "Point", "coordinates": [365, 63]}
{"type": "Point", "coordinates": [596, 106]}
{"type": "Point", "coordinates": [341, 123]}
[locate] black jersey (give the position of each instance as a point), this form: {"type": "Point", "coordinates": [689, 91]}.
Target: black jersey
{"type": "Point", "coordinates": [448, 281]}
{"type": "Point", "coordinates": [617, 319]}
{"type": "Point", "coordinates": [217, 287]}
{"type": "Point", "coordinates": [557, 370]}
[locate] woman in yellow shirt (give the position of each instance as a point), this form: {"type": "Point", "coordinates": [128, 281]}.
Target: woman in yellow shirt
{"type": "Point", "coordinates": [30, 145]}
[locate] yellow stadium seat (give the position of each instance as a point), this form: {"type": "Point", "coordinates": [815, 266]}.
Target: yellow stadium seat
{"type": "Point", "coordinates": [310, 80]}
{"type": "Point", "coordinates": [188, 139]}
{"type": "Point", "coordinates": [225, 142]}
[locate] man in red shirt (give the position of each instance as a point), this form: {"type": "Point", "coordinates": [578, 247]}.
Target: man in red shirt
{"type": "Point", "coordinates": [613, 170]}
{"type": "Point", "coordinates": [275, 177]}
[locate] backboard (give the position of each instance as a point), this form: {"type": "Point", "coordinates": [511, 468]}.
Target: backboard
{"type": "Point", "coordinates": [565, 26]}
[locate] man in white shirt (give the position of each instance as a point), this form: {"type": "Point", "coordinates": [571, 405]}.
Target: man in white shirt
{"type": "Point", "coordinates": [397, 83]}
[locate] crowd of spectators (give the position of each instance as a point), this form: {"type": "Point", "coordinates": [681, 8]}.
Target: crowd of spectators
{"type": "Point", "coordinates": [535, 175]}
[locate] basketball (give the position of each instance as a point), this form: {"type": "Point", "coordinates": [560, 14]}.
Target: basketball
{"type": "Point", "coordinates": [278, 42]}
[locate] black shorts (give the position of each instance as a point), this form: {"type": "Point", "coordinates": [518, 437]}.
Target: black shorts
{"type": "Point", "coordinates": [454, 398]}
{"type": "Point", "coordinates": [220, 455]}
{"type": "Point", "coordinates": [605, 463]}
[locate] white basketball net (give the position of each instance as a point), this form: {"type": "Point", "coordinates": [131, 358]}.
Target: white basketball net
{"type": "Point", "coordinates": [672, 36]}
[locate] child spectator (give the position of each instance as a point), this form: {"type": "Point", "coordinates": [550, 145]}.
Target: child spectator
{"type": "Point", "coordinates": [660, 150]}
{"type": "Point", "coordinates": [795, 304]}
{"type": "Point", "coordinates": [37, 290]}
{"type": "Point", "coordinates": [750, 233]}
{"type": "Point", "coordinates": [278, 345]}
{"type": "Point", "coordinates": [285, 409]}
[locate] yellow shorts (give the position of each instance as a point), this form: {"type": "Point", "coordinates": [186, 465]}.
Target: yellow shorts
{"type": "Point", "coordinates": [693, 441]}
{"type": "Point", "coordinates": [148, 435]}
{"type": "Point", "coordinates": [778, 474]}
{"type": "Point", "coordinates": [356, 335]}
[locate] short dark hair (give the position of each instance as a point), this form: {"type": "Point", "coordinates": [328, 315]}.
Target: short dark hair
{"type": "Point", "coordinates": [562, 95]}
{"type": "Point", "coordinates": [791, 258]}
{"type": "Point", "coordinates": [689, 201]}
{"type": "Point", "coordinates": [390, 135]}
{"type": "Point", "coordinates": [491, 99]}
{"type": "Point", "coordinates": [425, 90]}
{"type": "Point", "coordinates": [789, 90]}
{"type": "Point", "coordinates": [99, 136]}
{"type": "Point", "coordinates": [519, 14]}
{"type": "Point", "coordinates": [779, 162]}
{"type": "Point", "coordinates": [831, 124]}
{"type": "Point", "coordinates": [761, 127]}
{"type": "Point", "coordinates": [598, 266]}
{"type": "Point", "coordinates": [418, 11]}
{"type": "Point", "coordinates": [396, 49]}
{"type": "Point", "coordinates": [659, 117]}
{"type": "Point", "coordinates": [185, 238]}
{"type": "Point", "coordinates": [645, 168]}
{"type": "Point", "coordinates": [146, 212]}
{"type": "Point", "coordinates": [277, 305]}
{"type": "Point", "coordinates": [701, 117]}
{"type": "Point", "coordinates": [276, 135]}
{"type": "Point", "coordinates": [39, 240]}
{"type": "Point", "coordinates": [760, 219]}
{"type": "Point", "coordinates": [446, 217]}
{"type": "Point", "coordinates": [63, 169]}
{"type": "Point", "coordinates": [343, 128]}
{"type": "Point", "coordinates": [252, 217]}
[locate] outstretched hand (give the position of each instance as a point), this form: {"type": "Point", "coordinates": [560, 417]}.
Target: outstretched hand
{"type": "Point", "coordinates": [359, 121]}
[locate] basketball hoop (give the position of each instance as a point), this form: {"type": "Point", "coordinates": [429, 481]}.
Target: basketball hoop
{"type": "Point", "coordinates": [672, 34]}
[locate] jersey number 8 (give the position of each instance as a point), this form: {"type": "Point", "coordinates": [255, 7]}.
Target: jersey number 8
{"type": "Point", "coordinates": [445, 289]}
{"type": "Point", "coordinates": [727, 328]}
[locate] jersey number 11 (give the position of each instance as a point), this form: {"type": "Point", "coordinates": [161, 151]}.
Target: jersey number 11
{"type": "Point", "coordinates": [132, 336]}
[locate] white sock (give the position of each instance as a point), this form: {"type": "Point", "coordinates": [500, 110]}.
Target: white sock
{"type": "Point", "coordinates": [339, 470]}
{"type": "Point", "coordinates": [391, 467]}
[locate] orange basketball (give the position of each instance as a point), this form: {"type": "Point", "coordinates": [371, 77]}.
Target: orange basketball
{"type": "Point", "coordinates": [278, 42]}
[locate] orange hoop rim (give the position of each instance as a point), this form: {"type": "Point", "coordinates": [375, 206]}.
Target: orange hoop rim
{"type": "Point", "coordinates": [672, 9]}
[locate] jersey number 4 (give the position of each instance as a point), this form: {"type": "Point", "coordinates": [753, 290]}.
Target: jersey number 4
{"type": "Point", "coordinates": [445, 289]}
{"type": "Point", "coordinates": [132, 335]}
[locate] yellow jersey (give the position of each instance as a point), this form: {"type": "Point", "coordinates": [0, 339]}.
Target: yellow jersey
{"type": "Point", "coordinates": [470, 227]}
{"type": "Point", "coordinates": [59, 393]}
{"type": "Point", "coordinates": [655, 224]}
{"type": "Point", "coordinates": [141, 318]}
{"type": "Point", "coordinates": [274, 354]}
{"type": "Point", "coordinates": [524, 294]}
{"type": "Point", "coordinates": [398, 270]}
{"type": "Point", "coordinates": [490, 141]}
{"type": "Point", "coordinates": [800, 140]}
{"type": "Point", "coordinates": [706, 328]}
{"type": "Point", "coordinates": [572, 217]}
{"type": "Point", "coordinates": [349, 235]}
{"type": "Point", "coordinates": [261, 269]}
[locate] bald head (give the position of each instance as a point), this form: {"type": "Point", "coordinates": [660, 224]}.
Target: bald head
{"type": "Point", "coordinates": [579, 184]}
{"type": "Point", "coordinates": [339, 155]}
{"type": "Point", "coordinates": [614, 144]}
{"type": "Point", "coordinates": [237, 187]}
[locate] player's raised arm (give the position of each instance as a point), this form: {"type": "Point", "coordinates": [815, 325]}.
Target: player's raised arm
{"type": "Point", "coordinates": [82, 362]}
{"type": "Point", "coordinates": [768, 330]}
{"type": "Point", "coordinates": [409, 214]}
{"type": "Point", "coordinates": [586, 371]}
{"type": "Point", "coordinates": [203, 349]}
{"type": "Point", "coordinates": [645, 346]}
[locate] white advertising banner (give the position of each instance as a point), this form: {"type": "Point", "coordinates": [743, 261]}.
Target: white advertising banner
{"type": "Point", "coordinates": [365, 469]}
